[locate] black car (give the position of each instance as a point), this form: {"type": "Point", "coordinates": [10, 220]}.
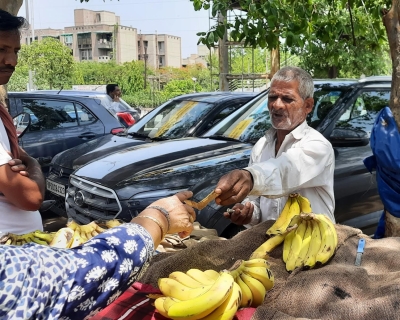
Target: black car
{"type": "Point", "coordinates": [59, 122]}
{"type": "Point", "coordinates": [184, 116]}
{"type": "Point", "coordinates": [122, 184]}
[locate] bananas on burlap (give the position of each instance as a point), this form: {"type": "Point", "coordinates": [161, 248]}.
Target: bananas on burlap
{"type": "Point", "coordinates": [308, 239]}
{"type": "Point", "coordinates": [209, 294]}
{"type": "Point", "coordinates": [71, 236]}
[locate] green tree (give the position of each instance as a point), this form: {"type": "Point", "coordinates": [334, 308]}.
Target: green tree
{"type": "Point", "coordinates": [51, 62]}
{"type": "Point", "coordinates": [177, 87]}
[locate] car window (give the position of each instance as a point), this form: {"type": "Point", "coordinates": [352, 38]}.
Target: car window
{"type": "Point", "coordinates": [362, 112]}
{"type": "Point", "coordinates": [174, 120]}
{"type": "Point", "coordinates": [84, 115]}
{"type": "Point", "coordinates": [50, 114]}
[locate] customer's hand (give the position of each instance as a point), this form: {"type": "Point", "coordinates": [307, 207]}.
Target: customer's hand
{"type": "Point", "coordinates": [18, 166]}
{"type": "Point", "coordinates": [181, 215]}
{"type": "Point", "coordinates": [233, 187]}
{"type": "Point", "coordinates": [242, 214]}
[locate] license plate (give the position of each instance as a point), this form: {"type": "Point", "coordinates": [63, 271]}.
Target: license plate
{"type": "Point", "coordinates": [56, 188]}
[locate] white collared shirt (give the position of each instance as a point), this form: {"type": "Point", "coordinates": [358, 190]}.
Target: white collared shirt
{"type": "Point", "coordinates": [305, 164]}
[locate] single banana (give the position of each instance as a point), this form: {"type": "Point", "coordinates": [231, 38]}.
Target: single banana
{"type": "Point", "coordinates": [305, 205]}
{"type": "Point", "coordinates": [204, 304]}
{"type": "Point", "coordinates": [259, 262]}
{"type": "Point", "coordinates": [247, 296]}
{"type": "Point", "coordinates": [186, 280]}
{"type": "Point", "coordinates": [9, 241]}
{"type": "Point", "coordinates": [257, 289]}
{"type": "Point", "coordinates": [62, 238]}
{"type": "Point", "coordinates": [40, 241]}
{"type": "Point", "coordinates": [94, 233]}
{"type": "Point", "coordinates": [174, 289]}
{"type": "Point", "coordinates": [88, 228]}
{"type": "Point", "coordinates": [159, 304]}
{"type": "Point", "coordinates": [212, 274]}
{"type": "Point", "coordinates": [296, 246]}
{"type": "Point", "coordinates": [76, 239]}
{"type": "Point", "coordinates": [73, 224]}
{"type": "Point", "coordinates": [287, 244]}
{"type": "Point", "coordinates": [262, 274]}
{"type": "Point", "coordinates": [48, 237]}
{"type": "Point", "coordinates": [82, 235]}
{"type": "Point", "coordinates": [305, 245]}
{"type": "Point", "coordinates": [199, 276]}
{"type": "Point", "coordinates": [168, 303]}
{"type": "Point", "coordinates": [328, 239]}
{"type": "Point", "coordinates": [315, 245]}
{"type": "Point", "coordinates": [100, 229]}
{"type": "Point", "coordinates": [263, 250]}
{"type": "Point", "coordinates": [227, 310]}
{"type": "Point", "coordinates": [283, 217]}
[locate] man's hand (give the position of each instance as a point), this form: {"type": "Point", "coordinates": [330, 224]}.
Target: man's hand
{"type": "Point", "coordinates": [233, 187]}
{"type": "Point", "coordinates": [116, 98]}
{"type": "Point", "coordinates": [242, 214]}
{"type": "Point", "coordinates": [18, 166]}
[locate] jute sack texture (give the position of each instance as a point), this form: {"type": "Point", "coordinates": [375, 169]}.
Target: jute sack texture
{"type": "Point", "coordinates": [338, 290]}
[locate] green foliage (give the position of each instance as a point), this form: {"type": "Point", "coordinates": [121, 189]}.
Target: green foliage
{"type": "Point", "coordinates": [177, 87]}
{"type": "Point", "coordinates": [51, 62]}
{"type": "Point", "coordinates": [19, 80]}
{"type": "Point", "coordinates": [244, 60]}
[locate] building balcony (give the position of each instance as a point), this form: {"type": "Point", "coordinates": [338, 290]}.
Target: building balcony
{"type": "Point", "coordinates": [105, 45]}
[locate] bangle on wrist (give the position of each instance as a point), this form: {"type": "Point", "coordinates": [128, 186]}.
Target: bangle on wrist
{"type": "Point", "coordinates": [163, 211]}
{"type": "Point", "coordinates": [163, 233]}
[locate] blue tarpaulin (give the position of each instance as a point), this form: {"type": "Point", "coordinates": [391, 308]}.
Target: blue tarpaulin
{"type": "Point", "coordinates": [385, 145]}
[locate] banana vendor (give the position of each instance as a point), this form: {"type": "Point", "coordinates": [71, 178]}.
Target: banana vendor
{"type": "Point", "coordinates": [291, 157]}
{"type": "Point", "coordinates": [42, 282]}
{"type": "Point", "coordinates": [22, 184]}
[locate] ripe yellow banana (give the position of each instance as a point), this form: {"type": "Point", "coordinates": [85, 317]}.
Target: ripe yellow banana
{"type": "Point", "coordinates": [204, 304]}
{"type": "Point", "coordinates": [305, 245]}
{"type": "Point", "coordinates": [88, 228]}
{"type": "Point", "coordinates": [62, 238]}
{"type": "Point", "coordinates": [199, 276]}
{"type": "Point", "coordinates": [174, 289]}
{"type": "Point", "coordinates": [168, 303]}
{"type": "Point", "coordinates": [263, 250]}
{"type": "Point", "coordinates": [257, 289]}
{"type": "Point", "coordinates": [159, 304]}
{"type": "Point", "coordinates": [73, 224]}
{"type": "Point", "coordinates": [184, 279]}
{"type": "Point", "coordinates": [212, 274]}
{"type": "Point", "coordinates": [247, 296]}
{"type": "Point", "coordinates": [315, 245]}
{"type": "Point", "coordinates": [305, 205]}
{"type": "Point", "coordinates": [262, 274]}
{"type": "Point", "coordinates": [113, 223]}
{"type": "Point", "coordinates": [282, 219]}
{"type": "Point", "coordinates": [258, 262]}
{"type": "Point", "coordinates": [227, 310]}
{"type": "Point", "coordinates": [76, 239]}
{"type": "Point", "coordinates": [296, 246]}
{"type": "Point", "coordinates": [288, 243]}
{"type": "Point", "coordinates": [328, 239]}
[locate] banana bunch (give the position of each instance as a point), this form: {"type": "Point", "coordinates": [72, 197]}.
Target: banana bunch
{"type": "Point", "coordinates": [209, 294]}
{"type": "Point", "coordinates": [71, 236]}
{"type": "Point", "coordinates": [312, 243]}
{"type": "Point", "coordinates": [295, 205]}
{"type": "Point", "coordinates": [37, 236]}
{"type": "Point", "coordinates": [198, 295]}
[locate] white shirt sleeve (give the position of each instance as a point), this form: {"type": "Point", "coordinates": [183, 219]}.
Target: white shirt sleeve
{"type": "Point", "coordinates": [4, 143]}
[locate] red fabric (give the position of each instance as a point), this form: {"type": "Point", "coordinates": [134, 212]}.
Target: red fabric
{"type": "Point", "coordinates": [133, 304]}
{"type": "Point", "coordinates": [11, 132]}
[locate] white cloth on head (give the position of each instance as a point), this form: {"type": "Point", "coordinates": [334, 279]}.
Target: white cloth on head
{"type": "Point", "coordinates": [305, 163]}
{"type": "Point", "coordinates": [13, 219]}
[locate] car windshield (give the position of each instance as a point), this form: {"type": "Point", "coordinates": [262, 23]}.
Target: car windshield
{"type": "Point", "coordinates": [172, 120]}
{"type": "Point", "coordinates": [249, 123]}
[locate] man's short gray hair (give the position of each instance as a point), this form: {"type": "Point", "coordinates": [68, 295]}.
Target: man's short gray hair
{"type": "Point", "coordinates": [306, 84]}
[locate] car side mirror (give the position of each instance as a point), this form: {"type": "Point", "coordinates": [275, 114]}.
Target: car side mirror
{"type": "Point", "coordinates": [347, 137]}
{"type": "Point", "coordinates": [21, 123]}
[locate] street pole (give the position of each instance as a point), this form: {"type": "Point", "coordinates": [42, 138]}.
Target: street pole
{"type": "Point", "coordinates": [145, 66]}
{"type": "Point", "coordinates": [30, 39]}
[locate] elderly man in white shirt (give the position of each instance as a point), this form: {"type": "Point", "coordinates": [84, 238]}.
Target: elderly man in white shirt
{"type": "Point", "coordinates": [291, 157]}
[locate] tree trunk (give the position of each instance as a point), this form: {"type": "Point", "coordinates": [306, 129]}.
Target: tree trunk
{"type": "Point", "coordinates": [275, 61]}
{"type": "Point", "coordinates": [11, 6]}
{"type": "Point", "coordinates": [391, 22]}
{"type": "Point", "coordinates": [332, 72]}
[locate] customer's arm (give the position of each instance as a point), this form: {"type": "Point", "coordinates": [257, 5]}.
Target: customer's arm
{"type": "Point", "coordinates": [76, 283]}
{"type": "Point", "coordinates": [25, 192]}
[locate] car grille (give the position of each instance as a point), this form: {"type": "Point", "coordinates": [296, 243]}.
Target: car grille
{"type": "Point", "coordinates": [92, 200]}
{"type": "Point", "coordinates": [60, 172]}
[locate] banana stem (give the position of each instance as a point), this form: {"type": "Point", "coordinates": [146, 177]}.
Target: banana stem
{"type": "Point", "coordinates": [236, 269]}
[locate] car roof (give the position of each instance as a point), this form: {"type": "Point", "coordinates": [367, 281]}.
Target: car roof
{"type": "Point", "coordinates": [68, 93]}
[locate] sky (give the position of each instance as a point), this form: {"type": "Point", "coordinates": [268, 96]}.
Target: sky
{"type": "Point", "coordinates": [173, 17]}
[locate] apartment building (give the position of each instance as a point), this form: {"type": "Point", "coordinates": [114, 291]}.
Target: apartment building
{"type": "Point", "coordinates": [200, 57]}
{"type": "Point", "coordinates": [160, 50]}
{"type": "Point", "coordinates": [99, 36]}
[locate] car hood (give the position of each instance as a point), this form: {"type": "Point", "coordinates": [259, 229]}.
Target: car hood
{"type": "Point", "coordinates": [82, 154]}
{"type": "Point", "coordinates": [129, 166]}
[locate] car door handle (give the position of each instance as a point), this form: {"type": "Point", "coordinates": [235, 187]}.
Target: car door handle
{"type": "Point", "coordinates": [88, 135]}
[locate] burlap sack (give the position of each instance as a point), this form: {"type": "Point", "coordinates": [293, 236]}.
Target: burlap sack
{"type": "Point", "coordinates": [339, 290]}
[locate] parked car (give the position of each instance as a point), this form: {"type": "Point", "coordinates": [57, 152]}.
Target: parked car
{"type": "Point", "coordinates": [122, 184]}
{"type": "Point", "coordinates": [126, 114]}
{"type": "Point", "coordinates": [60, 122]}
{"type": "Point", "coordinates": [184, 116]}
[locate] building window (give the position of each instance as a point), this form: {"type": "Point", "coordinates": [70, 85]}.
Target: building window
{"type": "Point", "coordinates": [160, 46]}
{"type": "Point", "coordinates": [98, 17]}
{"type": "Point", "coordinates": [86, 55]}
{"type": "Point", "coordinates": [160, 61]}
{"type": "Point", "coordinates": [145, 44]}
{"type": "Point", "coordinates": [68, 39]}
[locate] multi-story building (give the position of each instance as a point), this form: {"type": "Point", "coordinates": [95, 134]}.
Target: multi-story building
{"type": "Point", "coordinates": [99, 36]}
{"type": "Point", "coordinates": [198, 58]}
